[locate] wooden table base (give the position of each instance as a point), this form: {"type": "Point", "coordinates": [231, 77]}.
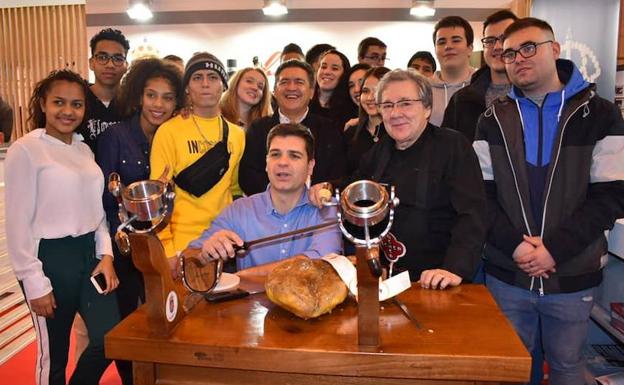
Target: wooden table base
{"type": "Point", "coordinates": [146, 374]}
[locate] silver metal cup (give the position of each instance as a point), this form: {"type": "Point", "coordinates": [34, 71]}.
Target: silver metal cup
{"type": "Point", "coordinates": [145, 199]}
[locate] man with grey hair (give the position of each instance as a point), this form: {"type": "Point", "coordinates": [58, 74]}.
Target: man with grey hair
{"type": "Point", "coordinates": [440, 222]}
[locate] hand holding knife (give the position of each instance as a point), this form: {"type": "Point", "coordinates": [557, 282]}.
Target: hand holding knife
{"type": "Point", "coordinates": [226, 244]}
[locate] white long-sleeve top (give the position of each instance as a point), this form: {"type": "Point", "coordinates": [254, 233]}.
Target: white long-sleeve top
{"type": "Point", "coordinates": [52, 190]}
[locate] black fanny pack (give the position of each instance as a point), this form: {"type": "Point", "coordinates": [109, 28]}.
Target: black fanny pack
{"type": "Point", "coordinates": [206, 171]}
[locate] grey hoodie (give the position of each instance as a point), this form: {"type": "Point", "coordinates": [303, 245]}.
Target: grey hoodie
{"type": "Point", "coordinates": [442, 92]}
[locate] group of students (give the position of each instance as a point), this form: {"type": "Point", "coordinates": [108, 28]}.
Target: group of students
{"type": "Point", "coordinates": [348, 122]}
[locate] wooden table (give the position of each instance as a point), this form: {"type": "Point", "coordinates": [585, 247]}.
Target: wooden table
{"type": "Point", "coordinates": [465, 340]}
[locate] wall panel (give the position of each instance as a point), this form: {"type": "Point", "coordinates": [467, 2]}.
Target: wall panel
{"type": "Point", "coordinates": [33, 42]}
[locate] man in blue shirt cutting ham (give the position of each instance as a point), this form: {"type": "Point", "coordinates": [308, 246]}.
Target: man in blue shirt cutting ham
{"type": "Point", "coordinates": [281, 208]}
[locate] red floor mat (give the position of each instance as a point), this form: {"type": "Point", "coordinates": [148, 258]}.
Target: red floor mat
{"type": "Point", "coordinates": [20, 369]}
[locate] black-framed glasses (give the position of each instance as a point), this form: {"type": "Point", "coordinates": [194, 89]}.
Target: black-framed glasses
{"type": "Point", "coordinates": [490, 41]}
{"type": "Point", "coordinates": [401, 105]}
{"type": "Point", "coordinates": [526, 51]}
{"type": "Point", "coordinates": [103, 58]}
{"type": "Point", "coordinates": [377, 58]}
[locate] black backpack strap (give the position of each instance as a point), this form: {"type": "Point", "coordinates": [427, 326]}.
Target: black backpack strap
{"type": "Point", "coordinates": [226, 131]}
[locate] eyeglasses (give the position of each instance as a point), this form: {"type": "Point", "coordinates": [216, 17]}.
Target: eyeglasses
{"type": "Point", "coordinates": [490, 41]}
{"type": "Point", "coordinates": [526, 51]}
{"type": "Point", "coordinates": [376, 58]}
{"type": "Point", "coordinates": [401, 105]}
{"type": "Point", "coordinates": [103, 58]}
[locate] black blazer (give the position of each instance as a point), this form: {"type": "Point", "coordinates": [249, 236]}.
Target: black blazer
{"type": "Point", "coordinates": [329, 152]}
{"type": "Point", "coordinates": [441, 217]}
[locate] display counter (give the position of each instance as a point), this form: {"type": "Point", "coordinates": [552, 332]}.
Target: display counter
{"type": "Point", "coordinates": [465, 339]}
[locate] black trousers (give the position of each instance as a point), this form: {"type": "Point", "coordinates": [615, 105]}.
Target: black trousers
{"type": "Point", "coordinates": [130, 293]}
{"type": "Point", "coordinates": [68, 263]}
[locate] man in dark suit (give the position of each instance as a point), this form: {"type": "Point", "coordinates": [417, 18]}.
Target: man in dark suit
{"type": "Point", "coordinates": [294, 87]}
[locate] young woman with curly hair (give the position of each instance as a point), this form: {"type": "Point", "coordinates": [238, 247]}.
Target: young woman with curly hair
{"type": "Point", "coordinates": [150, 93]}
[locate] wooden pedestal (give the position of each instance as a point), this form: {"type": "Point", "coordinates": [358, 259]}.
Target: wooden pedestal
{"type": "Point", "coordinates": [368, 301]}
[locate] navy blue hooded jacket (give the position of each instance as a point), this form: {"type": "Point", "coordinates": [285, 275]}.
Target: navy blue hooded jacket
{"type": "Point", "coordinates": [556, 172]}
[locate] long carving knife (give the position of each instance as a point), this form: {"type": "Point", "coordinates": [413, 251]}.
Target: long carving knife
{"type": "Point", "coordinates": [408, 314]}
{"type": "Point", "coordinates": [240, 250]}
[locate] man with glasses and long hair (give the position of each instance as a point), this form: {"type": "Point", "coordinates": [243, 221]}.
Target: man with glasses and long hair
{"type": "Point", "coordinates": [552, 156]}
{"type": "Point", "coordinates": [440, 223]}
{"type": "Point", "coordinates": [487, 84]}
{"type": "Point", "coordinates": [109, 49]}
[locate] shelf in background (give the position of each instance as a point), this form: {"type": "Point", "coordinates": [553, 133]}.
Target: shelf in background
{"type": "Point", "coordinates": [603, 318]}
{"type": "Point", "coordinates": [616, 239]}
{"type": "Point", "coordinates": [603, 361]}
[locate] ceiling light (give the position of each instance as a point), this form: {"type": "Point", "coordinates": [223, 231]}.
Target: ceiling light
{"type": "Point", "coordinates": [275, 7]}
{"type": "Point", "coordinates": [139, 10]}
{"type": "Point", "coordinates": [422, 8]}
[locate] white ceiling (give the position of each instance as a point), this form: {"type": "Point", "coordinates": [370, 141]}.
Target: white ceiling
{"type": "Point", "coordinates": [120, 6]}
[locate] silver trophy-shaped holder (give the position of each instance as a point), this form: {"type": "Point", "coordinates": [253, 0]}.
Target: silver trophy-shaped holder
{"type": "Point", "coordinates": [365, 204]}
{"type": "Point", "coordinates": [150, 202]}
{"type": "Point", "coordinates": [147, 201]}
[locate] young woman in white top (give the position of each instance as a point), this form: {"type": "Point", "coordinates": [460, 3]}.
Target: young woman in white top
{"type": "Point", "coordinates": [56, 229]}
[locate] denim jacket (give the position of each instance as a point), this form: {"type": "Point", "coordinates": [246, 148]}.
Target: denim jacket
{"type": "Point", "coordinates": [122, 148]}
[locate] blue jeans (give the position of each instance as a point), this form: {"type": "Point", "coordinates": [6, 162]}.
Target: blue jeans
{"type": "Point", "coordinates": [479, 275]}
{"type": "Point", "coordinates": [554, 326]}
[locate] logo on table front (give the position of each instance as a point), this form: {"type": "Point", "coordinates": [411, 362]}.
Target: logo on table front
{"type": "Point", "coordinates": [171, 306]}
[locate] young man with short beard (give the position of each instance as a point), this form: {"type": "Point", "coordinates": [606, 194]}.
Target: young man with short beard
{"type": "Point", "coordinates": [487, 84]}
{"type": "Point", "coordinates": [552, 157]}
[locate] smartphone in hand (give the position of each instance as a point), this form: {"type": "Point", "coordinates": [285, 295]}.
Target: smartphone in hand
{"type": "Point", "coordinates": [99, 282]}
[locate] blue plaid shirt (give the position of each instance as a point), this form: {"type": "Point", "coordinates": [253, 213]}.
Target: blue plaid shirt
{"type": "Point", "coordinates": [255, 217]}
